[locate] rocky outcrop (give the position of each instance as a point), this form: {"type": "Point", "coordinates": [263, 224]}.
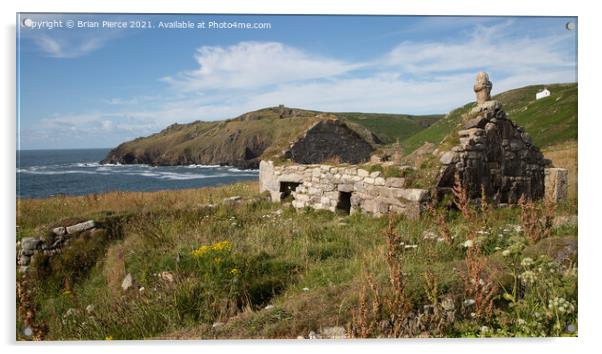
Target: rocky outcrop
{"type": "Point", "coordinates": [346, 188]}
{"type": "Point", "coordinates": [327, 140]}
{"type": "Point", "coordinates": [494, 154]}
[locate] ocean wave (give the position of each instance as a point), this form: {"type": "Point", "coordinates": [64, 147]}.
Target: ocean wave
{"type": "Point", "coordinates": [202, 166]}
{"type": "Point", "coordinates": [63, 172]}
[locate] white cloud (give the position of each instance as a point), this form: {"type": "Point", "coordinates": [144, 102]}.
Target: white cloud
{"type": "Point", "coordinates": [68, 47]}
{"type": "Point", "coordinates": [413, 77]}
{"type": "Point", "coordinates": [252, 65]}
{"type": "Point", "coordinates": [490, 48]}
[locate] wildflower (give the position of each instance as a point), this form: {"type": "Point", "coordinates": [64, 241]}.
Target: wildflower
{"type": "Point", "coordinates": [234, 271]}
{"type": "Point", "coordinates": [561, 305]}
{"type": "Point", "coordinates": [468, 243]}
{"type": "Point", "coordinates": [223, 245]}
{"type": "Point", "coordinates": [219, 246]}
{"type": "Point", "coordinates": [526, 262]}
{"type": "Point", "coordinates": [199, 252]}
{"type": "Point", "coordinates": [528, 277]}
{"type": "Point", "coordinates": [305, 289]}
{"type": "Point", "coordinates": [109, 338]}
{"type": "Point", "coordinates": [506, 253]}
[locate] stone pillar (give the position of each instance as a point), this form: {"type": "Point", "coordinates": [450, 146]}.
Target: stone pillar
{"type": "Point", "coordinates": [556, 184]}
{"type": "Point", "coordinates": [482, 88]}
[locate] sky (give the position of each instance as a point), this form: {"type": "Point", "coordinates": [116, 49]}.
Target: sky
{"type": "Point", "coordinates": [85, 87]}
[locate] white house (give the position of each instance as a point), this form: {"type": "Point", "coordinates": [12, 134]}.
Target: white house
{"type": "Point", "coordinates": [541, 94]}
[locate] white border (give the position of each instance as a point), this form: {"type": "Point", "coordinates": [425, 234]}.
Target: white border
{"type": "Point", "coordinates": [589, 136]}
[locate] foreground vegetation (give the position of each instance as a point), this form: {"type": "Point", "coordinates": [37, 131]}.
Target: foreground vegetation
{"type": "Point", "coordinates": [204, 268]}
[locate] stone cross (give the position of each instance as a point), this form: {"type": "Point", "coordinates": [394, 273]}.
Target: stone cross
{"type": "Point", "coordinates": [482, 88]}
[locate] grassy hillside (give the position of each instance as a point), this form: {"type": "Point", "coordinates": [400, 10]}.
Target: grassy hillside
{"type": "Point", "coordinates": [244, 140]}
{"type": "Point", "coordinates": [391, 127]}
{"type": "Point", "coordinates": [549, 121]}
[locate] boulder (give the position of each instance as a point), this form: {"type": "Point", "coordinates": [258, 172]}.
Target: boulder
{"type": "Point", "coordinates": [59, 231]}
{"type": "Point", "coordinates": [127, 282]}
{"type": "Point", "coordinates": [83, 226]}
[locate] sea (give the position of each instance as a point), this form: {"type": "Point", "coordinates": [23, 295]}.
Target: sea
{"type": "Point", "coordinates": [46, 173]}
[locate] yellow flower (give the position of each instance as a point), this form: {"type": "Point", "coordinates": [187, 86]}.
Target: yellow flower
{"type": "Point", "coordinates": [235, 271]}
{"type": "Point", "coordinates": [219, 246]}
{"type": "Point", "coordinates": [109, 338]}
{"type": "Point", "coordinates": [199, 252]}
{"type": "Point", "coordinates": [223, 245]}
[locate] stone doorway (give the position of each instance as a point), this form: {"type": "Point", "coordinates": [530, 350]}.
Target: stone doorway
{"type": "Point", "coordinates": [286, 188]}
{"type": "Point", "coordinates": [344, 203]}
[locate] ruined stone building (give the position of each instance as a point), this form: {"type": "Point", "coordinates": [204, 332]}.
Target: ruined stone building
{"type": "Point", "coordinates": [494, 156]}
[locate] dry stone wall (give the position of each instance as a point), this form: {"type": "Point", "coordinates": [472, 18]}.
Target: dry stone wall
{"type": "Point", "coordinates": [347, 188]}
{"type": "Point", "coordinates": [330, 139]}
{"type": "Point", "coordinates": [494, 154]}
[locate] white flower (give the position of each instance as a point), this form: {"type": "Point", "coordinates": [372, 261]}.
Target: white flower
{"type": "Point", "coordinates": [305, 289]}
{"type": "Point", "coordinates": [506, 253]}
{"type": "Point", "coordinates": [468, 243]}
{"type": "Point", "coordinates": [526, 262]}
{"type": "Point", "coordinates": [528, 277]}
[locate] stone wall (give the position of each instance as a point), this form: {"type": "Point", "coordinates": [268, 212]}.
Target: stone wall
{"type": "Point", "coordinates": [556, 182]}
{"type": "Point", "coordinates": [29, 246]}
{"type": "Point", "coordinates": [330, 139]}
{"type": "Point", "coordinates": [495, 154]}
{"type": "Point", "coordinates": [347, 188]}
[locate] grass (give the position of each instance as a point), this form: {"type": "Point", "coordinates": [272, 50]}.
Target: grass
{"type": "Point", "coordinates": [391, 127]}
{"type": "Point", "coordinates": [231, 261]}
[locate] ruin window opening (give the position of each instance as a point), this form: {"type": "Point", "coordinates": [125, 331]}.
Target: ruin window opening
{"type": "Point", "coordinates": [344, 203]}
{"type": "Point", "coordinates": [287, 188]}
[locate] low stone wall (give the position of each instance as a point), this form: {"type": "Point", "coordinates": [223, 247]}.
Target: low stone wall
{"type": "Point", "coordinates": [29, 246]}
{"type": "Point", "coordinates": [347, 188]}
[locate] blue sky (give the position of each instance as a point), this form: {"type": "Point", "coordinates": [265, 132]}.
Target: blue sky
{"type": "Point", "coordinates": [80, 88]}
